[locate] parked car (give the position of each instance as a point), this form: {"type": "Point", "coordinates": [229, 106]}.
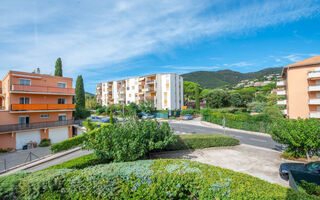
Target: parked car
{"type": "Point", "coordinates": [95, 118]}
{"type": "Point", "coordinates": [107, 120]}
{"type": "Point", "coordinates": [311, 167]}
{"type": "Point", "coordinates": [187, 117]}
{"type": "Point", "coordinates": [140, 115]}
{"type": "Point", "coordinates": [148, 116]}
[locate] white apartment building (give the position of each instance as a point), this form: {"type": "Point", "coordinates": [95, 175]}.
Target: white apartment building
{"type": "Point", "coordinates": [165, 91]}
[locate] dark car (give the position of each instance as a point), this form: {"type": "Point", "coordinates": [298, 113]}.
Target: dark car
{"type": "Point", "coordinates": [187, 117]}
{"type": "Point", "coordinates": [107, 120]}
{"type": "Point", "coordinates": [311, 167]}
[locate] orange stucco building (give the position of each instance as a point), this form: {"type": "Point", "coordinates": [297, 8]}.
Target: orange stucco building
{"type": "Point", "coordinates": [33, 107]}
{"type": "Point", "coordinates": [301, 87]}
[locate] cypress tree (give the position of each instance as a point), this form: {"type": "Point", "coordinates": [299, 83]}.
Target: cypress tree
{"type": "Point", "coordinates": [197, 98]}
{"type": "Point", "coordinates": [58, 70]}
{"type": "Point", "coordinates": [111, 117]}
{"type": "Point", "coordinates": [80, 94]}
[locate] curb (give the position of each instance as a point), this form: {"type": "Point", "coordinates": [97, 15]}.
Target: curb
{"type": "Point", "coordinates": [232, 129]}
{"type": "Point", "coordinates": [38, 161]}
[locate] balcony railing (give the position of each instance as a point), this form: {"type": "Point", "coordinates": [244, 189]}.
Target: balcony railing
{"type": "Point", "coordinates": [314, 88]}
{"type": "Point", "coordinates": [281, 92]}
{"type": "Point", "coordinates": [281, 83]}
{"type": "Point", "coordinates": [314, 115]}
{"type": "Point", "coordinates": [38, 125]}
{"type": "Point", "coordinates": [315, 74]}
{"type": "Point", "coordinates": [44, 89]}
{"type": "Point", "coordinates": [314, 101]}
{"type": "Point", "coordinates": [283, 102]}
{"type": "Point", "coordinates": [24, 107]}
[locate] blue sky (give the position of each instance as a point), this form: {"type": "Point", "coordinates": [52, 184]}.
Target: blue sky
{"type": "Point", "coordinates": [108, 40]}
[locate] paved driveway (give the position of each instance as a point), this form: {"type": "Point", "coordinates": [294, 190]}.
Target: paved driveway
{"type": "Point", "coordinates": [259, 162]}
{"type": "Point", "coordinates": [19, 157]}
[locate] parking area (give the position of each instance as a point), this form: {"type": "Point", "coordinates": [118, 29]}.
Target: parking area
{"type": "Point", "coordinates": [259, 162]}
{"type": "Point", "coordinates": [9, 160]}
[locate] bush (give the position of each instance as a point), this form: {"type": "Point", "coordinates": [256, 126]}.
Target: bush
{"type": "Point", "coordinates": [300, 136]}
{"type": "Point", "coordinates": [202, 141]}
{"type": "Point", "coordinates": [67, 144]}
{"type": "Point", "coordinates": [8, 185]}
{"type": "Point", "coordinates": [188, 111]}
{"type": "Point", "coordinates": [45, 143]}
{"type": "Point", "coordinates": [149, 179]}
{"type": "Point", "coordinates": [5, 150]}
{"type": "Point", "coordinates": [310, 188]}
{"type": "Point", "coordinates": [129, 141]}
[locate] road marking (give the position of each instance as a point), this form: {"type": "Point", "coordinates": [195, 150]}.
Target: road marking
{"type": "Point", "coordinates": [258, 140]}
{"type": "Point", "coordinates": [236, 136]}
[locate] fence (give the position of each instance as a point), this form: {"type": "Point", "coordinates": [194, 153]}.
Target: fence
{"type": "Point", "coordinates": [257, 126]}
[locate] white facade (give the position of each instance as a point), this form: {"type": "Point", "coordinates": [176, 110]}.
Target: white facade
{"type": "Point", "coordinates": [165, 91]}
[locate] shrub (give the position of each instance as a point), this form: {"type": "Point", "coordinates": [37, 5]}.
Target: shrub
{"type": "Point", "coordinates": [300, 136]}
{"type": "Point", "coordinates": [150, 179]}
{"type": "Point", "coordinates": [9, 185]}
{"type": "Point", "coordinates": [5, 150]}
{"type": "Point", "coordinates": [188, 111]}
{"type": "Point", "coordinates": [310, 188]}
{"type": "Point", "coordinates": [202, 141]}
{"type": "Point", "coordinates": [45, 143]}
{"type": "Point", "coordinates": [67, 144]}
{"type": "Point", "coordinates": [129, 141]}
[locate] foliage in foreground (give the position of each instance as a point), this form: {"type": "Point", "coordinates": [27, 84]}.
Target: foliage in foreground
{"type": "Point", "coordinates": [300, 136]}
{"type": "Point", "coordinates": [130, 140]}
{"type": "Point", "coordinates": [310, 188]}
{"type": "Point", "coordinates": [151, 179]}
{"type": "Point", "coordinates": [67, 144]}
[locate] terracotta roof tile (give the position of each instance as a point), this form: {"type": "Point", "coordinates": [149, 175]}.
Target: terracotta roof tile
{"type": "Point", "coordinates": [309, 61]}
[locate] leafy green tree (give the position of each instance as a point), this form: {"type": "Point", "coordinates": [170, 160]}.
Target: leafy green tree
{"type": "Point", "coordinates": [58, 68]}
{"type": "Point", "coordinates": [257, 106]}
{"type": "Point", "coordinates": [147, 106]}
{"type": "Point", "coordinates": [273, 111]}
{"type": "Point", "coordinates": [133, 108]}
{"type": "Point", "coordinates": [272, 99]}
{"type": "Point", "coordinates": [80, 94]}
{"type": "Point", "coordinates": [235, 100]}
{"type": "Point", "coordinates": [189, 90]}
{"type": "Point", "coordinates": [267, 89]}
{"type": "Point", "coordinates": [111, 117]}
{"type": "Point", "coordinates": [301, 136]}
{"type": "Point", "coordinates": [91, 102]}
{"type": "Point", "coordinates": [218, 98]}
{"type": "Point", "coordinates": [197, 97]}
{"type": "Point", "coordinates": [261, 97]}
{"type": "Point", "coordinates": [204, 92]}
{"type": "Point", "coordinates": [247, 94]}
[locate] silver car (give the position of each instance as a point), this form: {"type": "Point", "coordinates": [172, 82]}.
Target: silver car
{"type": "Point", "coordinates": [187, 117]}
{"type": "Point", "coordinates": [148, 116]}
{"type": "Point", "coordinates": [95, 118]}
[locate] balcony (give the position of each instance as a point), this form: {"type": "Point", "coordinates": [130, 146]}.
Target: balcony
{"type": "Point", "coordinates": [281, 92]}
{"type": "Point", "coordinates": [150, 82]}
{"type": "Point", "coordinates": [150, 98]}
{"type": "Point", "coordinates": [314, 88]}
{"type": "Point", "coordinates": [283, 102]}
{"type": "Point", "coordinates": [315, 74]}
{"type": "Point", "coordinates": [41, 89]}
{"type": "Point", "coordinates": [37, 107]}
{"type": "Point", "coordinates": [281, 83]}
{"type": "Point", "coordinates": [314, 115]}
{"type": "Point", "coordinates": [39, 125]}
{"type": "Point", "coordinates": [285, 112]}
{"type": "Point", "coordinates": [314, 101]}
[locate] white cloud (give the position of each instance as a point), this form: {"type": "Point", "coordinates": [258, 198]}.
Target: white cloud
{"type": "Point", "coordinates": [239, 64]}
{"type": "Point", "coordinates": [95, 35]}
{"type": "Point", "coordinates": [191, 67]}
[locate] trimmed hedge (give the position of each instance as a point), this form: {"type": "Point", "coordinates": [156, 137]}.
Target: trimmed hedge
{"type": "Point", "coordinates": [147, 179]}
{"type": "Point", "coordinates": [45, 143]}
{"type": "Point", "coordinates": [257, 123]}
{"type": "Point", "coordinates": [67, 144]}
{"type": "Point", "coordinates": [202, 141]}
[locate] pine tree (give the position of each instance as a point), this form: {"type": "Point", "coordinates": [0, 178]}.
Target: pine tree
{"type": "Point", "coordinates": [80, 94]}
{"type": "Point", "coordinates": [197, 98]}
{"type": "Point", "coordinates": [58, 70]}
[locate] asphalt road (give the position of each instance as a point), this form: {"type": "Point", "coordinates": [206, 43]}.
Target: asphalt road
{"type": "Point", "coordinates": [244, 138]}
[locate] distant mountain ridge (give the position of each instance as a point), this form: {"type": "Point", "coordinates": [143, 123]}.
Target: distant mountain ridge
{"type": "Point", "coordinates": [214, 79]}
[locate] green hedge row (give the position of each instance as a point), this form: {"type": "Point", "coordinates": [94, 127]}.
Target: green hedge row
{"type": "Point", "coordinates": [147, 179]}
{"type": "Point", "coordinates": [67, 144]}
{"type": "Point", "coordinates": [257, 123]}
{"type": "Point", "coordinates": [202, 141]}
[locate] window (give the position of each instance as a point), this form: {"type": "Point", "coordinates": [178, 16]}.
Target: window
{"type": "Point", "coordinates": [62, 85]}
{"type": "Point", "coordinates": [62, 117]}
{"type": "Point", "coordinates": [44, 116]}
{"type": "Point", "coordinates": [24, 82]}
{"type": "Point", "coordinates": [23, 119]}
{"type": "Point", "coordinates": [61, 101]}
{"type": "Point", "coordinates": [128, 88]}
{"type": "Point", "coordinates": [24, 100]}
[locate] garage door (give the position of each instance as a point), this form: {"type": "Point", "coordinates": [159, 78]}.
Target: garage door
{"type": "Point", "coordinates": [24, 137]}
{"type": "Point", "coordinates": [58, 134]}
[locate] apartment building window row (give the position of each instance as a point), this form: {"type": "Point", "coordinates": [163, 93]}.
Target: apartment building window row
{"type": "Point", "coordinates": [61, 100]}
{"type": "Point", "coordinates": [44, 116]}
{"type": "Point", "coordinates": [24, 100]}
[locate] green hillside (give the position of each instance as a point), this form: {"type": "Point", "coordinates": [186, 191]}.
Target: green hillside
{"type": "Point", "coordinates": [214, 79]}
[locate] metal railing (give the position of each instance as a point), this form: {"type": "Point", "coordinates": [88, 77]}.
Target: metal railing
{"type": "Point", "coordinates": [38, 125]}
